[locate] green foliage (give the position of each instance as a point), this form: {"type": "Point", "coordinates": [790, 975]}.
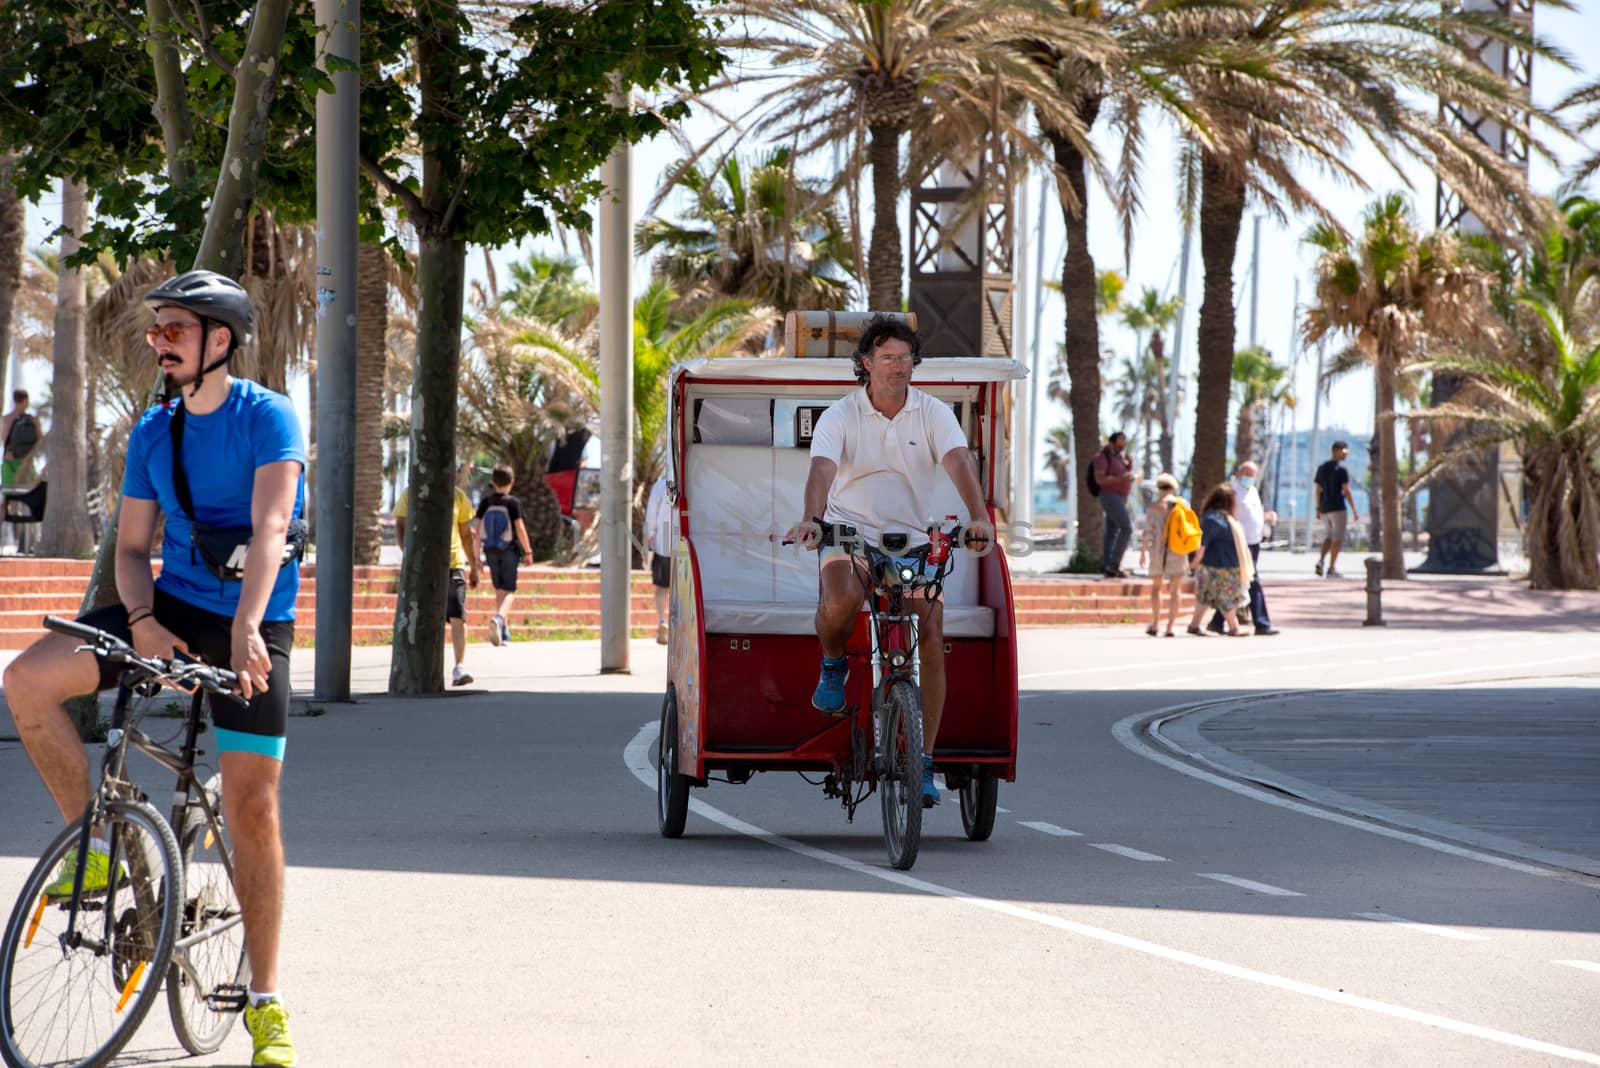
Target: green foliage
{"type": "Point", "coordinates": [754, 230]}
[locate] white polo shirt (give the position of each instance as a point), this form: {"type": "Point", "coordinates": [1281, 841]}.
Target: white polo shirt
{"type": "Point", "coordinates": [889, 469]}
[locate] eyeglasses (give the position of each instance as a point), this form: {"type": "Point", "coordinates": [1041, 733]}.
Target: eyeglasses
{"type": "Point", "coordinates": [171, 332]}
{"type": "Point", "coordinates": [891, 357]}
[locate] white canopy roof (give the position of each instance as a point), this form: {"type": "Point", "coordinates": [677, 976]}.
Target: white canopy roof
{"type": "Point", "coordinates": [932, 370]}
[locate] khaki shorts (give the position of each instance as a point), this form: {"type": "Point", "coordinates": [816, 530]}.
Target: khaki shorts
{"type": "Point", "coordinates": [1334, 524]}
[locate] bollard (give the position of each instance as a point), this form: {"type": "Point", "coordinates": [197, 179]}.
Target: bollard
{"type": "Point", "coordinates": [1374, 593]}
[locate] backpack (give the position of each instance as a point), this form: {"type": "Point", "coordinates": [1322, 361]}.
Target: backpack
{"type": "Point", "coordinates": [497, 531]}
{"type": "Point", "coordinates": [23, 437]}
{"type": "Point", "coordinates": [1089, 479]}
{"type": "Point", "coordinates": [1183, 528]}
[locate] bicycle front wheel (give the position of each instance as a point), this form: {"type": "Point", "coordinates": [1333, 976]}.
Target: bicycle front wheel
{"type": "Point", "coordinates": [209, 968]}
{"type": "Point", "coordinates": [900, 773]}
{"type": "Point", "coordinates": [74, 989]}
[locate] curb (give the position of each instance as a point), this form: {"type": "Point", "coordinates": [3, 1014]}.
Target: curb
{"type": "Point", "coordinates": [1160, 736]}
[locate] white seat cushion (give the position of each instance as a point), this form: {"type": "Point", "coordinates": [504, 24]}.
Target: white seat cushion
{"type": "Point", "coordinates": [757, 617]}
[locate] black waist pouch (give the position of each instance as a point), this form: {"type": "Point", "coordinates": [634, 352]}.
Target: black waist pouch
{"type": "Point", "coordinates": [224, 549]}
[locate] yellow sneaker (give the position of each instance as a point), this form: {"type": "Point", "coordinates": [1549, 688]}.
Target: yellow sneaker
{"type": "Point", "coordinates": [96, 875]}
{"type": "Point", "coordinates": [268, 1024]}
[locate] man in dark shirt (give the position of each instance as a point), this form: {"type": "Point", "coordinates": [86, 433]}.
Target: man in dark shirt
{"type": "Point", "coordinates": [1113, 474]}
{"type": "Point", "coordinates": [1333, 493]}
{"type": "Point", "coordinates": [504, 537]}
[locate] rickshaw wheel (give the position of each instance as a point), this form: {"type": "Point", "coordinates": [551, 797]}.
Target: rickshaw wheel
{"type": "Point", "coordinates": [980, 795]}
{"type": "Point", "coordinates": [672, 789]}
{"type": "Point", "coordinates": [900, 782]}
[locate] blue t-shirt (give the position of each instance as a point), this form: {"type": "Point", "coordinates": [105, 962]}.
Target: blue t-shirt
{"type": "Point", "coordinates": [221, 451]}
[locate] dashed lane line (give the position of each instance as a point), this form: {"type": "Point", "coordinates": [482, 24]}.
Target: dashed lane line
{"type": "Point", "coordinates": [636, 757]}
{"type": "Point", "coordinates": [1424, 928]}
{"type": "Point", "coordinates": [1250, 884]}
{"type": "Point", "coordinates": [1131, 854]}
{"type": "Point", "coordinates": [1049, 828]}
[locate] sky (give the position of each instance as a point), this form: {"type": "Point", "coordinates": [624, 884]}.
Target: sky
{"type": "Point", "coordinates": [1152, 260]}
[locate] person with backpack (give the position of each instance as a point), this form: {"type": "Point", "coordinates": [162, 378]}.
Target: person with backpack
{"type": "Point", "coordinates": [1252, 518]}
{"type": "Point", "coordinates": [1110, 479]}
{"type": "Point", "coordinates": [1171, 536]}
{"type": "Point", "coordinates": [20, 432]}
{"type": "Point", "coordinates": [504, 537]}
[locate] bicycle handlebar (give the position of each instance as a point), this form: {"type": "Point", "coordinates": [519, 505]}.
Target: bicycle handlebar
{"type": "Point", "coordinates": [180, 672]}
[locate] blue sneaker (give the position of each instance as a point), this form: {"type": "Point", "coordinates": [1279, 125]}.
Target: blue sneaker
{"type": "Point", "coordinates": [829, 696]}
{"type": "Point", "coordinates": [930, 792]}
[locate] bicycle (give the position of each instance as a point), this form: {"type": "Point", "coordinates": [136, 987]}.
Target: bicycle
{"type": "Point", "coordinates": [80, 971]}
{"type": "Point", "coordinates": [889, 574]}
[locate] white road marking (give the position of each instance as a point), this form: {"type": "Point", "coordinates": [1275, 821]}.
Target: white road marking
{"type": "Point", "coordinates": [1425, 928]}
{"type": "Point", "coordinates": [1586, 965]}
{"type": "Point", "coordinates": [1250, 884]}
{"type": "Point", "coordinates": [1131, 854]}
{"type": "Point", "coordinates": [1050, 828]}
{"type": "Point", "coordinates": [636, 756]}
{"type": "Point", "coordinates": [1124, 732]}
{"type": "Point", "coordinates": [1003, 811]}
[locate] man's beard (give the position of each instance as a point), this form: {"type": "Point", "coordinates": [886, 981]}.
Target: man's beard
{"type": "Point", "coordinates": [175, 380]}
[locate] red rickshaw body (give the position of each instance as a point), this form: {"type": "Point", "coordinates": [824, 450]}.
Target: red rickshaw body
{"type": "Point", "coordinates": [743, 652]}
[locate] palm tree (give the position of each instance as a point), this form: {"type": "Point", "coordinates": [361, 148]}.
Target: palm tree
{"type": "Point", "coordinates": [754, 231]}
{"type": "Point", "coordinates": [860, 74]}
{"type": "Point", "coordinates": [1586, 100]}
{"type": "Point", "coordinates": [1138, 401]}
{"type": "Point", "coordinates": [1314, 73]}
{"type": "Point", "coordinates": [66, 530]}
{"type": "Point", "coordinates": [1058, 457]}
{"type": "Point", "coordinates": [1156, 315]}
{"type": "Point", "coordinates": [1545, 400]}
{"type": "Point", "coordinates": [1259, 385]}
{"type": "Point", "coordinates": [1390, 292]}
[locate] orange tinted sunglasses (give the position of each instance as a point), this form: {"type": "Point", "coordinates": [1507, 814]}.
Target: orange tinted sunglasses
{"type": "Point", "coordinates": [172, 332]}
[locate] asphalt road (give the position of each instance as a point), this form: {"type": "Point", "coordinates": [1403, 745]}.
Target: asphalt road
{"type": "Point", "coordinates": [478, 879]}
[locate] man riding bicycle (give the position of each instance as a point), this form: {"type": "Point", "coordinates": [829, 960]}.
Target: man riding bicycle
{"type": "Point", "coordinates": [875, 456]}
{"type": "Point", "coordinates": [239, 472]}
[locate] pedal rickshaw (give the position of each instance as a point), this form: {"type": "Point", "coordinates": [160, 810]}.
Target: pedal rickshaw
{"type": "Point", "coordinates": [743, 651]}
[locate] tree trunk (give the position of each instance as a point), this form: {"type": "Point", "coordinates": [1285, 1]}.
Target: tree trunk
{"type": "Point", "coordinates": [1394, 560]}
{"type": "Point", "coordinates": [12, 230]}
{"type": "Point", "coordinates": [1158, 353]}
{"type": "Point", "coordinates": [1221, 209]}
{"type": "Point", "coordinates": [1244, 441]}
{"type": "Point", "coordinates": [255, 87]}
{"type": "Point", "coordinates": [372, 325]}
{"type": "Point", "coordinates": [172, 95]}
{"type": "Point", "coordinates": [417, 665]}
{"type": "Point", "coordinates": [885, 263]}
{"type": "Point", "coordinates": [1082, 346]}
{"type": "Point", "coordinates": [65, 530]}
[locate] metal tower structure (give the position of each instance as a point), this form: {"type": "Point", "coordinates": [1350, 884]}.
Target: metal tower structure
{"type": "Point", "coordinates": [1464, 508]}
{"type": "Point", "coordinates": [961, 258]}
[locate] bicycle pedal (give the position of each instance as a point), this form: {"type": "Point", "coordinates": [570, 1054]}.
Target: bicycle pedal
{"type": "Point", "coordinates": [844, 713]}
{"type": "Point", "coordinates": [228, 997]}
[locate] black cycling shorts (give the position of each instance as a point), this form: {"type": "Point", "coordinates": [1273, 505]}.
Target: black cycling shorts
{"type": "Point", "coordinates": [254, 727]}
{"type": "Point", "coordinates": [503, 568]}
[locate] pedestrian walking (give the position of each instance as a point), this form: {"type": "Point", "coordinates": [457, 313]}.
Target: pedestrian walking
{"type": "Point", "coordinates": [504, 537]}
{"type": "Point", "coordinates": [1252, 517]}
{"type": "Point", "coordinates": [463, 572]}
{"type": "Point", "coordinates": [1111, 479]}
{"type": "Point", "coordinates": [20, 432]}
{"type": "Point", "coordinates": [1224, 572]}
{"type": "Point", "coordinates": [658, 539]}
{"type": "Point", "coordinates": [1166, 524]}
{"type": "Point", "coordinates": [1333, 493]}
